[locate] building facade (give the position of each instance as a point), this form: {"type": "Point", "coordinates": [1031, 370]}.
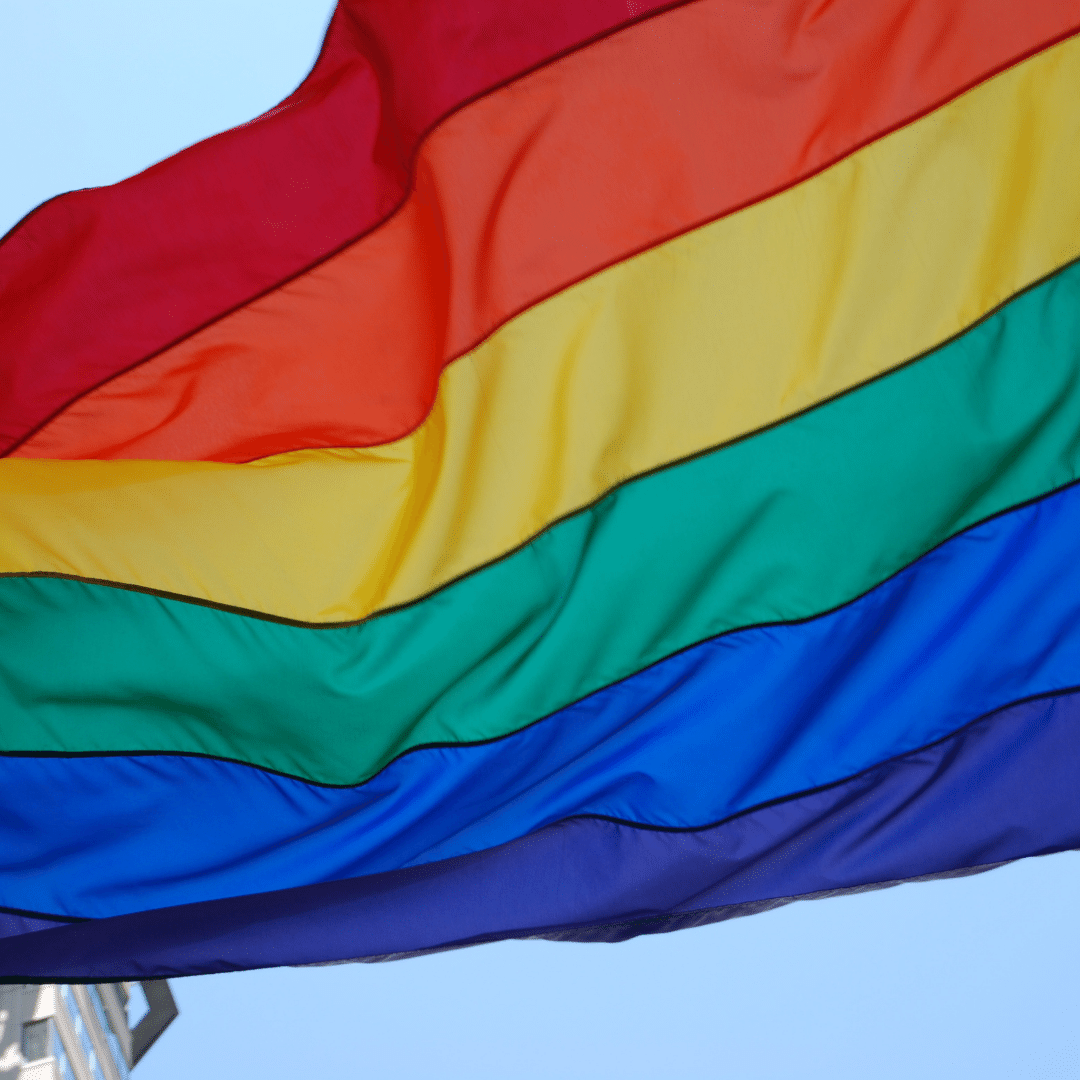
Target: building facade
{"type": "Point", "coordinates": [78, 1032]}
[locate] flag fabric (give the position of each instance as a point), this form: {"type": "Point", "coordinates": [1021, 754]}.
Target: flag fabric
{"type": "Point", "coordinates": [571, 470]}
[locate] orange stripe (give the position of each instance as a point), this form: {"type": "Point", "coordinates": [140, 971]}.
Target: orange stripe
{"type": "Point", "coordinates": [665, 125]}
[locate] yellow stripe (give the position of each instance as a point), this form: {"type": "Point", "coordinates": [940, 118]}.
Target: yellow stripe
{"type": "Point", "coordinates": [713, 334]}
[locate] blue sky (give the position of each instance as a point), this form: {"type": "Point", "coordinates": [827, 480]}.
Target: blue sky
{"type": "Point", "coordinates": [976, 977]}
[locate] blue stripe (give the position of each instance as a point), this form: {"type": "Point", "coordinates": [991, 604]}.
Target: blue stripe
{"type": "Point", "coordinates": [989, 618]}
{"type": "Point", "coordinates": [1001, 789]}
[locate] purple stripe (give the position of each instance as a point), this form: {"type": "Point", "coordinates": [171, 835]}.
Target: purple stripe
{"type": "Point", "coordinates": [1000, 789]}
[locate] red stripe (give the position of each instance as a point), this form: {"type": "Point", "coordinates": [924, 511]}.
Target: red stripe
{"type": "Point", "coordinates": [98, 280]}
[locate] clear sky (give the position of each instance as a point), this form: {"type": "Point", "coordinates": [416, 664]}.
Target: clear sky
{"type": "Point", "coordinates": [969, 978]}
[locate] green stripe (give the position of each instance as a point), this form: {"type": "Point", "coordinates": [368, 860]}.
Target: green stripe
{"type": "Point", "coordinates": [781, 526]}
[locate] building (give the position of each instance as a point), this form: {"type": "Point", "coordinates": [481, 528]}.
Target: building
{"type": "Point", "coordinates": [78, 1032]}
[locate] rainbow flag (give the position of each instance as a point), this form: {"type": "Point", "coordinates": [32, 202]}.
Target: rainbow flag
{"type": "Point", "coordinates": [571, 470]}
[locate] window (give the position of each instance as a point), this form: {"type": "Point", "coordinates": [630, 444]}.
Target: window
{"type": "Point", "coordinates": [107, 1030]}
{"type": "Point", "coordinates": [39, 1040]}
{"type": "Point", "coordinates": [81, 1033]}
{"type": "Point", "coordinates": [35, 1040]}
